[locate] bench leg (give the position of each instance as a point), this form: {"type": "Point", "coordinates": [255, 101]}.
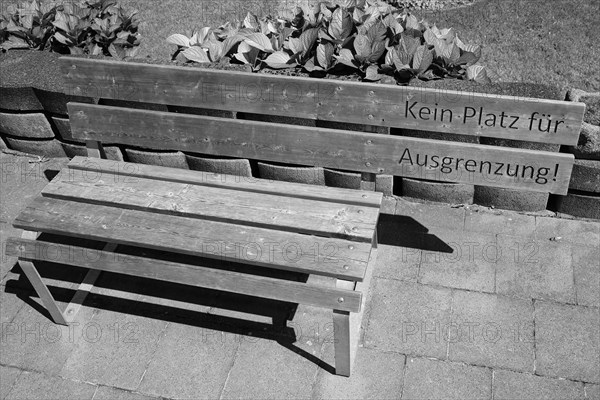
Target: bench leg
{"type": "Point", "coordinates": [48, 301]}
{"type": "Point", "coordinates": [343, 343]}
{"type": "Point", "coordinates": [40, 287]}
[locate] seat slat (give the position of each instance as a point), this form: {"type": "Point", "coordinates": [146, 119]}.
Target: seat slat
{"type": "Point", "coordinates": [252, 285]}
{"type": "Point", "coordinates": [219, 204]}
{"type": "Point", "coordinates": [250, 245]}
{"type": "Point", "coordinates": [233, 182]}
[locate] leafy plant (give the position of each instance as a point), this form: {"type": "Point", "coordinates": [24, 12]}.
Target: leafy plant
{"type": "Point", "coordinates": [97, 28]}
{"type": "Point", "coordinates": [371, 38]}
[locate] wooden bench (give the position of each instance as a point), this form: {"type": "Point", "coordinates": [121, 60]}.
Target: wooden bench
{"type": "Point", "coordinates": [263, 225]}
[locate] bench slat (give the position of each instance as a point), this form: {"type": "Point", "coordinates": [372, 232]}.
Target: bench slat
{"type": "Point", "coordinates": [477, 114]}
{"type": "Point", "coordinates": [252, 285]}
{"type": "Point", "coordinates": [250, 245]}
{"type": "Point", "coordinates": [537, 171]}
{"type": "Point", "coordinates": [218, 204]}
{"type": "Point", "coordinates": [233, 182]}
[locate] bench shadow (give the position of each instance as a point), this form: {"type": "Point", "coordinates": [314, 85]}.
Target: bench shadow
{"type": "Point", "coordinates": [262, 318]}
{"type": "Point", "coordinates": [404, 231]}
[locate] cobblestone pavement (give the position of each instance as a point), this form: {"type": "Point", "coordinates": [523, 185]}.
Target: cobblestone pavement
{"type": "Point", "coordinates": [466, 303]}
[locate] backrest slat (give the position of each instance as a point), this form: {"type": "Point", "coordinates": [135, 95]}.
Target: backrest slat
{"type": "Point", "coordinates": [465, 113]}
{"type": "Point", "coordinates": [359, 151]}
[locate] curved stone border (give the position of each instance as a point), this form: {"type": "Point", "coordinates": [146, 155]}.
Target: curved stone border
{"type": "Point", "coordinates": [228, 166]}
{"type": "Point", "coordinates": [46, 148]}
{"type": "Point", "coordinates": [164, 159]}
{"type": "Point", "coordinates": [311, 175]}
{"type": "Point", "coordinates": [580, 205]}
{"type": "Point", "coordinates": [442, 192]}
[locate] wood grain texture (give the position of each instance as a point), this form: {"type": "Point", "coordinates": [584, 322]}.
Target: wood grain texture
{"type": "Point", "coordinates": [126, 172]}
{"type": "Point", "coordinates": [218, 204]}
{"type": "Point", "coordinates": [328, 100]}
{"type": "Point", "coordinates": [366, 152]}
{"type": "Point", "coordinates": [248, 245]}
{"type": "Point", "coordinates": [252, 285]}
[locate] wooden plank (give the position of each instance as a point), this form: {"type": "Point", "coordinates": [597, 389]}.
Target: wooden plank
{"type": "Point", "coordinates": [395, 155]}
{"type": "Point", "coordinates": [38, 284]}
{"type": "Point", "coordinates": [244, 244]}
{"type": "Point", "coordinates": [252, 285]}
{"type": "Point", "coordinates": [126, 172]}
{"type": "Point", "coordinates": [465, 113]}
{"type": "Point", "coordinates": [218, 204]}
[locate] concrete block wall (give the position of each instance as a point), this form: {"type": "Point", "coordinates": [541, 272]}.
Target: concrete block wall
{"type": "Point", "coordinates": [583, 199]}
{"type": "Point", "coordinates": [40, 125]}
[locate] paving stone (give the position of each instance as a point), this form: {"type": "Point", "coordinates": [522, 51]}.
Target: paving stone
{"type": "Point", "coordinates": [230, 166]}
{"type": "Point", "coordinates": [510, 385]}
{"type": "Point", "coordinates": [375, 375]}
{"type": "Point", "coordinates": [468, 263]}
{"type": "Point", "coordinates": [3, 145]}
{"type": "Point", "coordinates": [586, 267]}
{"type": "Point", "coordinates": [535, 269]}
{"type": "Point", "coordinates": [500, 222]}
{"type": "Point", "coordinates": [490, 330]}
{"type": "Point", "coordinates": [115, 350]}
{"type": "Point", "coordinates": [8, 376]}
{"type": "Point", "coordinates": [47, 148]}
{"type": "Point", "coordinates": [6, 263]}
{"type": "Point", "coordinates": [33, 385]}
{"type": "Point", "coordinates": [111, 393]}
{"type": "Point", "coordinates": [191, 362]}
{"type": "Point", "coordinates": [586, 176]}
{"type": "Point", "coordinates": [10, 304]}
{"type": "Point", "coordinates": [164, 159]}
{"type": "Point", "coordinates": [311, 175]}
{"type": "Point", "coordinates": [580, 205]}
{"type": "Point", "coordinates": [592, 391]}
{"type": "Point", "coordinates": [408, 318]}
{"type": "Point", "coordinates": [567, 341]}
{"type": "Point", "coordinates": [395, 262]}
{"type": "Point", "coordinates": [434, 379]}
{"type": "Point", "coordinates": [32, 341]}
{"type": "Point", "coordinates": [432, 216]}
{"type": "Point", "coordinates": [33, 126]}
{"type": "Point", "coordinates": [580, 232]}
{"type": "Point", "coordinates": [453, 193]}
{"type": "Point", "coordinates": [275, 373]}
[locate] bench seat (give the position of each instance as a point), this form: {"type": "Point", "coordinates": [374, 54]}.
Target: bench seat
{"type": "Point", "coordinates": [261, 226]}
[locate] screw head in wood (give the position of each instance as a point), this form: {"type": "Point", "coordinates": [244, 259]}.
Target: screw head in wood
{"type": "Point", "coordinates": [360, 212]}
{"type": "Point", "coordinates": [346, 267]}
{"type": "Point", "coordinates": [351, 247]}
{"type": "Point", "coordinates": [368, 164]}
{"type": "Point", "coordinates": [340, 300]}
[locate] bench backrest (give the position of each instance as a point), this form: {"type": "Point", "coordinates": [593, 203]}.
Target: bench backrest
{"type": "Point", "coordinates": [368, 105]}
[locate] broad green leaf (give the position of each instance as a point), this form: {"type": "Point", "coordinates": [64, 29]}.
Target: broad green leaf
{"type": "Point", "coordinates": [308, 38]}
{"type": "Point", "coordinates": [116, 51]}
{"type": "Point", "coordinates": [326, 12]}
{"type": "Point", "coordinates": [372, 73]}
{"type": "Point", "coordinates": [346, 57]}
{"type": "Point", "coordinates": [230, 42]}
{"type": "Point", "coordinates": [422, 58]}
{"type": "Point", "coordinates": [197, 54]}
{"type": "Point", "coordinates": [96, 50]}
{"type": "Point", "coordinates": [341, 24]}
{"type": "Point", "coordinates": [467, 58]}
{"type": "Point", "coordinates": [358, 15]}
{"type": "Point", "coordinates": [362, 46]}
{"type": "Point", "coordinates": [377, 49]}
{"type": "Point", "coordinates": [412, 22]}
{"type": "Point", "coordinates": [410, 43]}
{"type": "Point", "coordinates": [391, 22]}
{"type": "Point", "coordinates": [14, 43]}
{"type": "Point", "coordinates": [377, 32]}
{"type": "Point", "coordinates": [278, 60]}
{"type": "Point", "coordinates": [478, 74]}
{"type": "Point", "coordinates": [260, 41]}
{"type": "Point", "coordinates": [325, 54]}
{"type": "Point", "coordinates": [295, 45]}
{"type": "Point", "coordinates": [179, 40]}
{"type": "Point", "coordinates": [62, 38]}
{"type": "Point", "coordinates": [62, 25]}
{"type": "Point", "coordinates": [310, 66]}
{"type": "Point", "coordinates": [347, 3]}
{"type": "Point", "coordinates": [251, 22]}
{"type": "Point", "coordinates": [215, 49]}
